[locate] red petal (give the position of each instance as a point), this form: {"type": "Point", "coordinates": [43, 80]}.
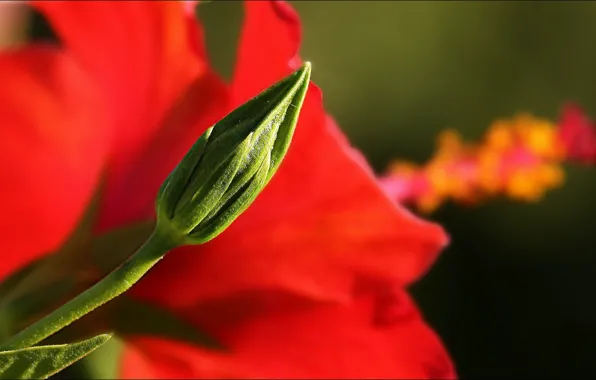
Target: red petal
{"type": "Point", "coordinates": [49, 120]}
{"type": "Point", "coordinates": [317, 342]}
{"type": "Point", "coordinates": [150, 358]}
{"type": "Point", "coordinates": [142, 55]}
{"type": "Point", "coordinates": [268, 48]}
{"type": "Point", "coordinates": [578, 134]}
{"type": "Point", "coordinates": [322, 222]}
{"type": "Point", "coordinates": [205, 101]}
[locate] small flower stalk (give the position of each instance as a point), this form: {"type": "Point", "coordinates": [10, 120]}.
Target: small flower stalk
{"type": "Point", "coordinates": [215, 182]}
{"type": "Point", "coordinates": [231, 163]}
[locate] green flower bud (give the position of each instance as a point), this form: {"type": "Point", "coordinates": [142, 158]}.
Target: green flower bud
{"type": "Point", "coordinates": [230, 164]}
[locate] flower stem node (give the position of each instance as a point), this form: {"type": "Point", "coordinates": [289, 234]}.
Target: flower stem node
{"type": "Point", "coordinates": [230, 164]}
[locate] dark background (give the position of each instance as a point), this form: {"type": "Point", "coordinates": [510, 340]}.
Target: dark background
{"type": "Point", "coordinates": [513, 294]}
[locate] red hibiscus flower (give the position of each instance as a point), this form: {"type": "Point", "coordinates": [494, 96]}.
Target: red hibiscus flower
{"type": "Point", "coordinates": [308, 282]}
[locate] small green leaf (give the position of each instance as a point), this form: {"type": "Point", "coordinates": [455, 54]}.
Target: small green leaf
{"type": "Point", "coordinates": [43, 361]}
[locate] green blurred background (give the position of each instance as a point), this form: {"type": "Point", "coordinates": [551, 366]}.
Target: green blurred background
{"type": "Point", "coordinates": [512, 295]}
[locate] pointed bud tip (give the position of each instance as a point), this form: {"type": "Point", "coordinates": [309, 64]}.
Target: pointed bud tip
{"type": "Point", "coordinates": [305, 70]}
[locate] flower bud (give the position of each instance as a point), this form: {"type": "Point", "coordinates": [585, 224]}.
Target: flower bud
{"type": "Point", "coordinates": [230, 164]}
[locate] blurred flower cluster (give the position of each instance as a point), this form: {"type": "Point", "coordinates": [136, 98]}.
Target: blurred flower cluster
{"type": "Point", "coordinates": [519, 158]}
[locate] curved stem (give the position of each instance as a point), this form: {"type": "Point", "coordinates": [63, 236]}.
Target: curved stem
{"type": "Point", "coordinates": [111, 286]}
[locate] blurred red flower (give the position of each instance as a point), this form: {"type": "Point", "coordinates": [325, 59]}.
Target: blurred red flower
{"type": "Point", "coordinates": [309, 282]}
{"type": "Point", "coordinates": [578, 134]}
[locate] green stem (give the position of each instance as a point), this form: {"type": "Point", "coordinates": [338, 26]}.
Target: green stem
{"type": "Point", "coordinates": [111, 286]}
